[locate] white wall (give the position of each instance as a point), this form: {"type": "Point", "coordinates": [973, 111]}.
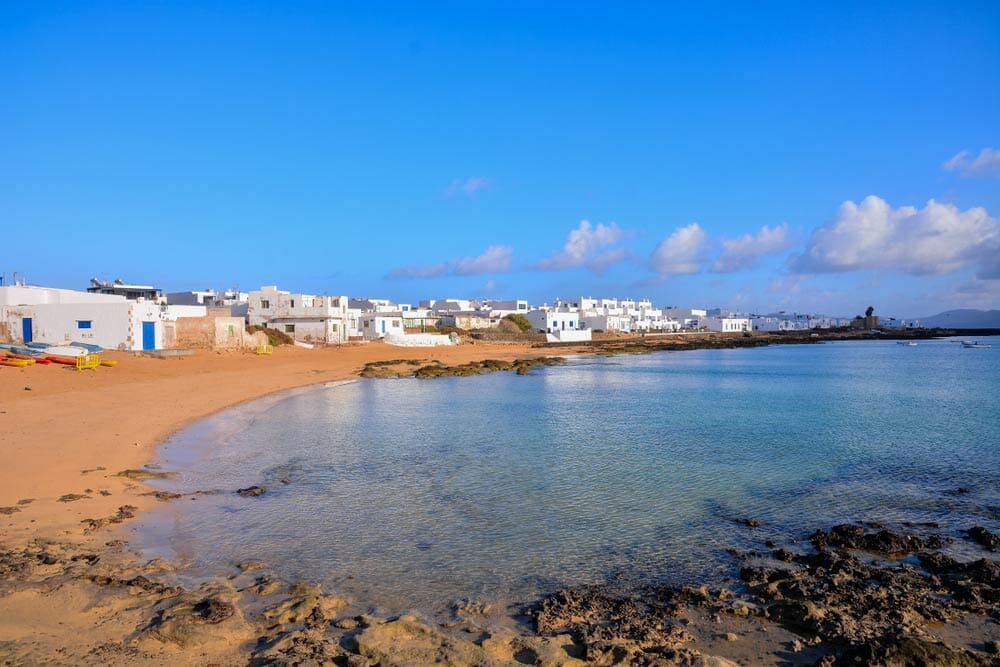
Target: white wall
{"type": "Point", "coordinates": [568, 335]}
{"type": "Point", "coordinates": [418, 340]}
{"type": "Point", "coordinates": [374, 321]}
{"type": "Point", "coordinates": [18, 295]}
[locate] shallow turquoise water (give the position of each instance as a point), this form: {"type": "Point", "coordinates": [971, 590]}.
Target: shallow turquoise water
{"type": "Point", "coordinates": [410, 494]}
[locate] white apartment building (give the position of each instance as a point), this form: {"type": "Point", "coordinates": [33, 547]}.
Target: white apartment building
{"type": "Point", "coordinates": [304, 317]}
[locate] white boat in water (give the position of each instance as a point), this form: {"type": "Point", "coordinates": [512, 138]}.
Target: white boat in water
{"type": "Point", "coordinates": [967, 343]}
{"type": "Point", "coordinates": [908, 343]}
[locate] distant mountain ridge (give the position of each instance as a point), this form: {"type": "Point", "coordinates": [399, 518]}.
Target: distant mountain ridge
{"type": "Point", "coordinates": [963, 319]}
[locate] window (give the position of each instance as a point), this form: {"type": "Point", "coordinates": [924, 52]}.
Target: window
{"type": "Point", "coordinates": [265, 304]}
{"type": "Point", "coordinates": [366, 323]}
{"type": "Point", "coordinates": [293, 303]}
{"type": "Point", "coordinates": [289, 328]}
{"type": "Point", "coordinates": [395, 323]}
{"type": "Point", "coordinates": [333, 327]}
{"type": "Point", "coordinates": [83, 324]}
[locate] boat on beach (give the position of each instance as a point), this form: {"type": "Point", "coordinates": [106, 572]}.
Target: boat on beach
{"type": "Point", "coordinates": [65, 351]}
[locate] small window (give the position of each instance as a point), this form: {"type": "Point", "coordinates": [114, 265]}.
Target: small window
{"type": "Point", "coordinates": [366, 323]}
{"type": "Point", "coordinates": [289, 328]}
{"type": "Point", "coordinates": [395, 323]}
{"type": "Point", "coordinates": [334, 328]}
{"type": "Point", "coordinates": [83, 324]}
{"type": "Point", "coordinates": [293, 303]}
{"type": "Point", "coordinates": [264, 303]}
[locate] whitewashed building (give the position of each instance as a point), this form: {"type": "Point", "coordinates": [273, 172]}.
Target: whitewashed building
{"type": "Point", "coordinates": [305, 317]}
{"type": "Point", "coordinates": [58, 316]}
{"type": "Point", "coordinates": [379, 325]}
{"type": "Point", "coordinates": [727, 324]}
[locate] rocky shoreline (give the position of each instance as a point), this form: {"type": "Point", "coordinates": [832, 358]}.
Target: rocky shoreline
{"type": "Point", "coordinates": [853, 594]}
{"type": "Point", "coordinates": [403, 368]}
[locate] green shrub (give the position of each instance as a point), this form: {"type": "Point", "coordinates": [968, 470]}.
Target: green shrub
{"type": "Point", "coordinates": [520, 320]}
{"type": "Point", "coordinates": [274, 337]}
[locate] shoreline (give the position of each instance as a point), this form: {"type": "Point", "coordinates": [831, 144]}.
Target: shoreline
{"type": "Point", "coordinates": [59, 529]}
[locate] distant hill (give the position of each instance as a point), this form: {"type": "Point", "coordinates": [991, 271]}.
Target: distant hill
{"type": "Point", "coordinates": [964, 319]}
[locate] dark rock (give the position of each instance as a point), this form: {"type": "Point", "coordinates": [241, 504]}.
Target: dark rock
{"type": "Point", "coordinates": [989, 540]}
{"type": "Point", "coordinates": [251, 491]}
{"type": "Point", "coordinates": [848, 536]}
{"type": "Point", "coordinates": [214, 610]}
{"type": "Point", "coordinates": [908, 650]}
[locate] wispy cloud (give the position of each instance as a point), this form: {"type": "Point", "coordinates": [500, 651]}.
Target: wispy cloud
{"type": "Point", "coordinates": [588, 246]}
{"type": "Point", "coordinates": [681, 252]}
{"type": "Point", "coordinates": [466, 187]}
{"type": "Point", "coordinates": [743, 251]}
{"type": "Point", "coordinates": [936, 239]}
{"type": "Point", "coordinates": [495, 259]}
{"type": "Point", "coordinates": [987, 162]}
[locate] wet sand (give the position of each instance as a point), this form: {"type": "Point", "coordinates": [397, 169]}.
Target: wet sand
{"type": "Point", "coordinates": [72, 593]}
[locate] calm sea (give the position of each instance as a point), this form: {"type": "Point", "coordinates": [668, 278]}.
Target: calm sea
{"type": "Point", "coordinates": [410, 494]}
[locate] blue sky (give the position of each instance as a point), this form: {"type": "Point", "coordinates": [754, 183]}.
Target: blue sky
{"type": "Point", "coordinates": [429, 150]}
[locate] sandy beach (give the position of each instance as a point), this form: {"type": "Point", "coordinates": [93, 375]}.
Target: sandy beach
{"type": "Point", "coordinates": [71, 592]}
{"type": "Point", "coordinates": [66, 434]}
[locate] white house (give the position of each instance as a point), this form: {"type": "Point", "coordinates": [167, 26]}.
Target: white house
{"type": "Point", "coordinates": [619, 323]}
{"type": "Point", "coordinates": [207, 297]}
{"type": "Point", "coordinates": [58, 316]}
{"type": "Point", "coordinates": [304, 317]}
{"type": "Point", "coordinates": [558, 324]}
{"type": "Point", "coordinates": [727, 324]}
{"type": "Point", "coordinates": [379, 325]}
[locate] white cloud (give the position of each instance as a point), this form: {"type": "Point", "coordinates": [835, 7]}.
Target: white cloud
{"type": "Point", "coordinates": [987, 162]}
{"type": "Point", "coordinates": [742, 252]}
{"type": "Point", "coordinates": [983, 294]}
{"type": "Point", "coordinates": [585, 246]}
{"type": "Point", "coordinates": [495, 259]}
{"type": "Point", "coordinates": [466, 186]}
{"type": "Point", "coordinates": [418, 271]}
{"type": "Point", "coordinates": [681, 252]}
{"type": "Point", "coordinates": [872, 235]}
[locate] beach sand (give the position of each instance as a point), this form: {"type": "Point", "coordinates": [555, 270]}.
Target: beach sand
{"type": "Point", "coordinates": [72, 593]}
{"type": "Point", "coordinates": [66, 434]}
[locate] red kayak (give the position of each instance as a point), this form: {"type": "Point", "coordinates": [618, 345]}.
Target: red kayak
{"type": "Point", "coordinates": [38, 360]}
{"type": "Point", "coordinates": [68, 361]}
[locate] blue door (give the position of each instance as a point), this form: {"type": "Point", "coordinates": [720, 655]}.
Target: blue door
{"type": "Point", "coordinates": [149, 335]}
{"type": "Point", "coordinates": [26, 329]}
{"type": "Point", "coordinates": [383, 326]}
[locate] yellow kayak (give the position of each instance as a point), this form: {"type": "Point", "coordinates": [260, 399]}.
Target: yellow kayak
{"type": "Point", "coordinates": [109, 362]}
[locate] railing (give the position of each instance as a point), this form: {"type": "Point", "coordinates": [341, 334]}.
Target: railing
{"type": "Point", "coordinates": [87, 361]}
